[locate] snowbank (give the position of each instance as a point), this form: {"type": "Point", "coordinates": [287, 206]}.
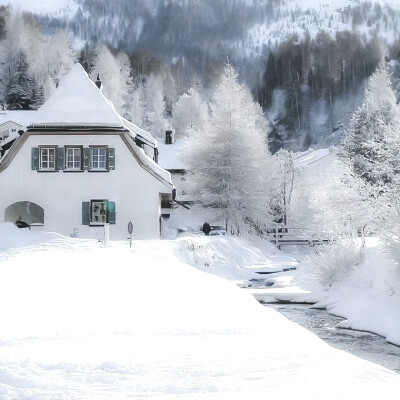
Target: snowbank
{"type": "Point", "coordinates": [229, 257]}
{"type": "Point", "coordinates": [369, 298]}
{"type": "Point", "coordinates": [81, 321]}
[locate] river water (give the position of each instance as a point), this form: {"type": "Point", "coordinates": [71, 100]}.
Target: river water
{"type": "Point", "coordinates": [366, 345]}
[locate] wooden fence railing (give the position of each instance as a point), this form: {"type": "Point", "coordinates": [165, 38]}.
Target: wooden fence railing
{"type": "Point", "coordinates": [297, 236]}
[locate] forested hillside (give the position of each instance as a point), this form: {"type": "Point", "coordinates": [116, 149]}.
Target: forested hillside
{"type": "Point", "coordinates": [306, 62]}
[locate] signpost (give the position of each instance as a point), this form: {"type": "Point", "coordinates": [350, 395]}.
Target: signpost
{"type": "Point", "coordinates": [130, 230]}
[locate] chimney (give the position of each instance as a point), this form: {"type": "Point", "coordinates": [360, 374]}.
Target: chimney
{"type": "Point", "coordinates": [98, 82]}
{"type": "Point", "coordinates": [170, 136]}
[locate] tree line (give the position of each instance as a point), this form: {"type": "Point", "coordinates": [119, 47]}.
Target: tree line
{"type": "Point", "coordinates": [306, 78]}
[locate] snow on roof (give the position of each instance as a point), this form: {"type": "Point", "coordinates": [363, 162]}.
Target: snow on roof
{"type": "Point", "coordinates": [315, 163]}
{"type": "Point", "coordinates": [140, 132]}
{"type": "Point", "coordinates": [13, 136]}
{"type": "Point", "coordinates": [169, 154]}
{"type": "Point", "coordinates": [310, 156]}
{"type": "Point", "coordinates": [77, 102]}
{"type": "Point", "coordinates": [20, 117]}
{"type": "Point", "coordinates": [147, 163]}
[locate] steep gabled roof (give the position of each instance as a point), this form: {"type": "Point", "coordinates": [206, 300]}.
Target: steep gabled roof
{"type": "Point", "coordinates": [77, 103]}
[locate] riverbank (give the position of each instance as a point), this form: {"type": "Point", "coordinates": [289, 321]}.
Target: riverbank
{"type": "Point", "coordinates": [368, 297]}
{"type": "Point", "coordinates": [366, 345]}
{"type": "Point", "coordinates": [83, 321]}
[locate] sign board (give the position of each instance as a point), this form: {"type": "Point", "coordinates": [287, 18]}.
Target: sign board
{"type": "Point", "coordinates": [130, 227]}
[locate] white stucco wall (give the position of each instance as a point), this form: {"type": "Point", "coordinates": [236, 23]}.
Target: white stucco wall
{"type": "Point", "coordinates": [135, 191]}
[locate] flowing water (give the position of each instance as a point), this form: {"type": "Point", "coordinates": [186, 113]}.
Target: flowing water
{"type": "Point", "coordinates": [362, 344]}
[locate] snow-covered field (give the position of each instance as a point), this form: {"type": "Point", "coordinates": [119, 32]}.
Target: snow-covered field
{"type": "Point", "coordinates": [79, 321]}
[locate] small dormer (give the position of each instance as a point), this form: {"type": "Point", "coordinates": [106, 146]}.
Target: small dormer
{"type": "Point", "coordinates": [170, 136]}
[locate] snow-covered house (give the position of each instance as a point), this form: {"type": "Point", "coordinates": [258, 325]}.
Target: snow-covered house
{"type": "Point", "coordinates": [12, 123]}
{"type": "Point", "coordinates": [185, 212]}
{"type": "Point", "coordinates": [79, 166]}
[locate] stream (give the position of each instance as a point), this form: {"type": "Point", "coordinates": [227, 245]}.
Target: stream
{"type": "Point", "coordinates": [365, 345]}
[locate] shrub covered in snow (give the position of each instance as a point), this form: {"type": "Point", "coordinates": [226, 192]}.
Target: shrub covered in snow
{"type": "Point", "coordinates": [392, 250]}
{"type": "Point", "coordinates": [335, 262]}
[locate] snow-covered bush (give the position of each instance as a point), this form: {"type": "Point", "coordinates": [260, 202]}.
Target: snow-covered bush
{"type": "Point", "coordinates": [392, 249]}
{"type": "Point", "coordinates": [335, 262]}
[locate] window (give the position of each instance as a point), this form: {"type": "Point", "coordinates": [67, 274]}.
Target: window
{"type": "Point", "coordinates": [99, 158]}
{"type": "Point", "coordinates": [73, 158]}
{"type": "Point", "coordinates": [47, 158]}
{"type": "Point", "coordinates": [98, 212]}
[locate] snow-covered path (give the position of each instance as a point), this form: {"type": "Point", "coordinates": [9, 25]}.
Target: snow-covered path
{"type": "Point", "coordinates": [82, 322]}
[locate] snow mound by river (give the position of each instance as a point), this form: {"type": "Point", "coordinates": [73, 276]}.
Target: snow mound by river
{"type": "Point", "coordinates": [369, 298]}
{"type": "Point", "coordinates": [80, 321]}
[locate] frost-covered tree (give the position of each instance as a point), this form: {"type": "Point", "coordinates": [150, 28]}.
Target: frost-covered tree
{"type": "Point", "coordinates": [137, 109]}
{"type": "Point", "coordinates": [45, 60]}
{"type": "Point", "coordinates": [60, 56]}
{"type": "Point", "coordinates": [189, 113]}
{"type": "Point", "coordinates": [155, 106]}
{"type": "Point", "coordinates": [113, 75]}
{"type": "Point", "coordinates": [285, 182]}
{"type": "Point", "coordinates": [228, 161]}
{"type": "Point", "coordinates": [87, 57]}
{"type": "Point", "coordinates": [20, 84]}
{"type": "Point", "coordinates": [372, 140]}
{"type": "Point", "coordinates": [343, 202]}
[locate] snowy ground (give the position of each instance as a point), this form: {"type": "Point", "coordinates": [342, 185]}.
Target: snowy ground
{"type": "Point", "coordinates": [79, 321]}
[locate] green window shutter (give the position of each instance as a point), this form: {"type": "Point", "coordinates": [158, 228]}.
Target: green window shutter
{"type": "Point", "coordinates": [86, 158]}
{"type": "Point", "coordinates": [112, 214]}
{"type": "Point", "coordinates": [35, 158]}
{"type": "Point", "coordinates": [85, 213]}
{"type": "Point", "coordinates": [60, 158]}
{"type": "Point", "coordinates": [111, 158]}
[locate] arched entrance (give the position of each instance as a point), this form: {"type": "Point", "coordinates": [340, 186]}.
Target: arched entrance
{"type": "Point", "coordinates": [24, 214]}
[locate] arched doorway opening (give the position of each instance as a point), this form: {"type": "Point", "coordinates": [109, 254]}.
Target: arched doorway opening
{"type": "Point", "coordinates": [24, 214]}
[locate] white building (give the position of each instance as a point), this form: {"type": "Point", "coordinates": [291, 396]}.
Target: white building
{"type": "Point", "coordinates": [186, 212]}
{"type": "Point", "coordinates": [79, 166]}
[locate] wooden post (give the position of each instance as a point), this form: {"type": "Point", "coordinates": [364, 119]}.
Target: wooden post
{"type": "Point", "coordinates": [106, 234]}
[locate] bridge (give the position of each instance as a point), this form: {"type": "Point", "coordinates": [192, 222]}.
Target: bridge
{"type": "Point", "coordinates": [296, 236]}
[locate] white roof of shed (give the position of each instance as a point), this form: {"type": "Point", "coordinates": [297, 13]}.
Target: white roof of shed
{"type": "Point", "coordinates": [310, 156]}
{"type": "Point", "coordinates": [20, 117]}
{"type": "Point", "coordinates": [77, 102]}
{"type": "Point", "coordinates": [170, 155]}
{"type": "Point", "coordinates": [315, 163]}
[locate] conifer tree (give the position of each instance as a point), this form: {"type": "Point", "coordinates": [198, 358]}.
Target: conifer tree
{"type": "Point", "coordinates": [19, 86]}
{"type": "Point", "coordinates": [372, 140]}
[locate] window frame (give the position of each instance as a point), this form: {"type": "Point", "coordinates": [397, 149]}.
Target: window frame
{"type": "Point", "coordinates": [73, 169]}
{"type": "Point", "coordinates": [98, 169]}
{"type": "Point", "coordinates": [41, 149]}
